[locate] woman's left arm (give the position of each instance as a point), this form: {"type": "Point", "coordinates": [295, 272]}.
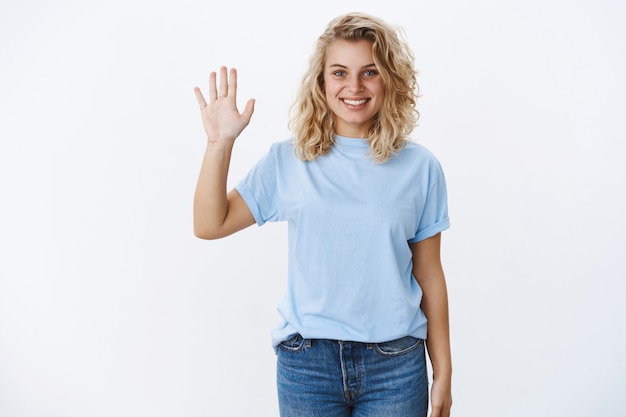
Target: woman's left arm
{"type": "Point", "coordinates": [428, 272]}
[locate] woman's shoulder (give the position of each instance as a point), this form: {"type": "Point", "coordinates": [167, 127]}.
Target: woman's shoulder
{"type": "Point", "coordinates": [283, 150]}
{"type": "Point", "coordinates": [283, 145]}
{"type": "Point", "coordinates": [414, 149]}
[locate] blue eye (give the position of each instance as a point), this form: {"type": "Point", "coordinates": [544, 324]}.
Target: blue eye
{"type": "Point", "coordinates": [370, 73]}
{"type": "Point", "coordinates": [339, 73]}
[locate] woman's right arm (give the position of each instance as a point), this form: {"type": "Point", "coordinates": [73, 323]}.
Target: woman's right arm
{"type": "Point", "coordinates": [217, 213]}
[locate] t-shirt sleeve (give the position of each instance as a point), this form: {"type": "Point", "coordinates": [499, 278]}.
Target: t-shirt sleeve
{"type": "Point", "coordinates": [258, 189]}
{"type": "Point", "coordinates": [434, 217]}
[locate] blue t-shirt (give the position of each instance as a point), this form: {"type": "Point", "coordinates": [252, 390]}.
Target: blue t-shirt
{"type": "Point", "coordinates": [350, 222]}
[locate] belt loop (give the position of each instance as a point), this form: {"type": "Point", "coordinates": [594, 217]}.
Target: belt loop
{"type": "Point", "coordinates": [307, 343]}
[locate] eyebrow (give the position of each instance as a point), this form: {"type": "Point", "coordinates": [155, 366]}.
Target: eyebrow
{"type": "Point", "coordinates": [343, 66]}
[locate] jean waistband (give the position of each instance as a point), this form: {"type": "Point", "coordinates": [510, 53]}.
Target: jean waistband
{"type": "Point", "coordinates": [368, 345]}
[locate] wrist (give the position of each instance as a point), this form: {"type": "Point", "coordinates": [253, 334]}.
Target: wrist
{"type": "Point", "coordinates": [219, 145]}
{"type": "Point", "coordinates": [443, 374]}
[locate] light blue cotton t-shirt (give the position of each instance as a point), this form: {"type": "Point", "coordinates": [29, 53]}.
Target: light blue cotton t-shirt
{"type": "Point", "coordinates": [350, 222]}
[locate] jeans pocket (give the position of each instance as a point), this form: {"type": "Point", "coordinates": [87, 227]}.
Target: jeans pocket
{"type": "Point", "coordinates": [294, 344]}
{"type": "Point", "coordinates": [399, 346]}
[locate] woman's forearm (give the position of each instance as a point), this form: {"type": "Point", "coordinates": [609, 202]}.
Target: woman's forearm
{"type": "Point", "coordinates": [435, 307]}
{"type": "Point", "coordinates": [428, 271]}
{"type": "Point", "coordinates": [210, 204]}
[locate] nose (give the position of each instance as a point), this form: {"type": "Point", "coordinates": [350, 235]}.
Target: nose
{"type": "Point", "coordinates": [355, 84]}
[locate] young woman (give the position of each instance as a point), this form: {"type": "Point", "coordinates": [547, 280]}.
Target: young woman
{"type": "Point", "coordinates": [365, 208]}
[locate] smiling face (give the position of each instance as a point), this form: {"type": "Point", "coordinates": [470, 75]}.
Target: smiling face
{"type": "Point", "coordinates": [353, 86]}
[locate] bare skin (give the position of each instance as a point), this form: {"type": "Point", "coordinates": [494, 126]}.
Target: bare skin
{"type": "Point", "coordinates": [353, 86]}
{"type": "Point", "coordinates": [216, 213]}
{"type": "Point", "coordinates": [428, 272]}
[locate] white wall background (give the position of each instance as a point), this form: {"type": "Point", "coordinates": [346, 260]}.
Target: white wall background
{"type": "Point", "coordinates": [110, 307]}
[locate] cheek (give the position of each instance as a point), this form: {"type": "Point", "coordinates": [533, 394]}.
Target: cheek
{"type": "Point", "coordinates": [328, 89]}
{"type": "Point", "coordinates": [380, 88]}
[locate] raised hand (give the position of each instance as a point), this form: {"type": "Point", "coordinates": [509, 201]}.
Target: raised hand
{"type": "Point", "coordinates": [221, 119]}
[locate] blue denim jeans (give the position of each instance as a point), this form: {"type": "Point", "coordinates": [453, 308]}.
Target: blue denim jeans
{"type": "Point", "coordinates": [330, 378]}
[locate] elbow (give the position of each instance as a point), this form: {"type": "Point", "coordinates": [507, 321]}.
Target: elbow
{"type": "Point", "coordinates": [206, 228]}
{"type": "Point", "coordinates": [201, 235]}
{"type": "Point", "coordinates": [206, 233]}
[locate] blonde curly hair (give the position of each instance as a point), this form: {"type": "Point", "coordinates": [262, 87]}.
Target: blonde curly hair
{"type": "Point", "coordinates": [312, 121]}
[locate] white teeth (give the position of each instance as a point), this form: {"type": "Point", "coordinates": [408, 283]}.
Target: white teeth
{"type": "Point", "coordinates": [354, 102]}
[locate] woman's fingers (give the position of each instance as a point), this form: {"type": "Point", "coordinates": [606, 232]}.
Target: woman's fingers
{"type": "Point", "coordinates": [200, 98]}
{"type": "Point", "coordinates": [212, 86]}
{"type": "Point", "coordinates": [223, 91]}
{"type": "Point", "coordinates": [227, 84]}
{"type": "Point", "coordinates": [221, 119]}
{"type": "Point", "coordinates": [232, 82]}
{"type": "Point", "coordinates": [227, 88]}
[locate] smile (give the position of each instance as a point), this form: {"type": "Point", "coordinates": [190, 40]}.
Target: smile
{"type": "Point", "coordinates": [354, 102]}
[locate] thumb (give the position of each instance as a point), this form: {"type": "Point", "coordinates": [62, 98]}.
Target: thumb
{"type": "Point", "coordinates": [248, 110]}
